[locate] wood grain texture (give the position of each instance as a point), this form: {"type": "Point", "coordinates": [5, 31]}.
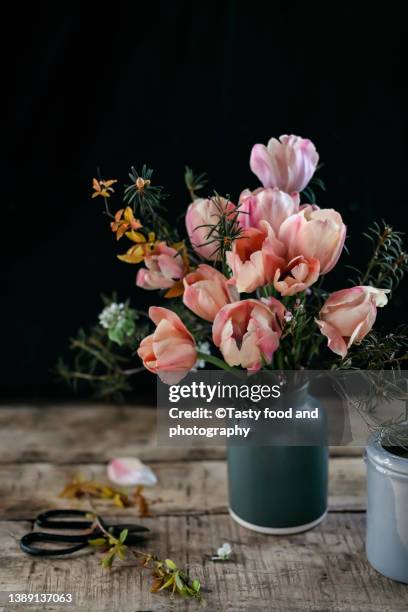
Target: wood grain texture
{"type": "Point", "coordinates": [184, 487]}
{"type": "Point", "coordinates": [92, 433]}
{"type": "Point", "coordinates": [321, 570]}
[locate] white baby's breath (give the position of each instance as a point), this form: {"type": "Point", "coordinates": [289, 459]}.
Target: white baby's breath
{"type": "Point", "coordinates": [202, 347]}
{"type": "Point", "coordinates": [111, 315]}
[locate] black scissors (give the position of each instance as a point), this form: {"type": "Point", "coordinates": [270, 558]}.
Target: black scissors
{"type": "Point", "coordinates": [52, 520]}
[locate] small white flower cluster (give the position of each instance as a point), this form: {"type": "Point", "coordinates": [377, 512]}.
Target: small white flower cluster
{"type": "Point", "coordinates": [224, 553]}
{"type": "Point", "coordinates": [202, 347]}
{"type": "Point", "coordinates": [111, 315]}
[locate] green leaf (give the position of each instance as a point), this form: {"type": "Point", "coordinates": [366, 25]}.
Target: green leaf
{"type": "Point", "coordinates": [168, 583]}
{"type": "Point", "coordinates": [196, 585]}
{"type": "Point", "coordinates": [121, 550]}
{"type": "Point", "coordinates": [123, 535]}
{"type": "Point", "coordinates": [170, 564]}
{"type": "Point", "coordinates": [179, 583]}
{"type": "Point", "coordinates": [108, 560]}
{"type": "Point", "coordinates": [97, 542]}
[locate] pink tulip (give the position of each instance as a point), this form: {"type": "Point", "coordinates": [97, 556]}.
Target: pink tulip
{"type": "Point", "coordinates": [206, 292]}
{"type": "Point", "coordinates": [314, 232]}
{"type": "Point", "coordinates": [288, 163]}
{"type": "Point", "coordinates": [163, 268]}
{"type": "Point", "coordinates": [170, 351]}
{"type": "Point", "coordinates": [348, 315]}
{"type": "Point", "coordinates": [298, 275]}
{"type": "Point", "coordinates": [248, 332]}
{"type": "Point", "coordinates": [201, 214]}
{"type": "Point", "coordinates": [269, 205]}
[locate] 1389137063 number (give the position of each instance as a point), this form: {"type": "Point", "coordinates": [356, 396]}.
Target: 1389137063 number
{"type": "Point", "coordinates": [56, 598]}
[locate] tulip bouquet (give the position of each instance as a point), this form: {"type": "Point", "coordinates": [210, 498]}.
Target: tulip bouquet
{"type": "Point", "coordinates": [246, 289]}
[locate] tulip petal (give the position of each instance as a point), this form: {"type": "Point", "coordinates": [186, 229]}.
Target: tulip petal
{"type": "Point", "coordinates": [129, 471]}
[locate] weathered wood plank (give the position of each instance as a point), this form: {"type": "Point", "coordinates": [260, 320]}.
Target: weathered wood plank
{"type": "Point", "coordinates": [321, 570]}
{"type": "Point", "coordinates": [184, 487]}
{"type": "Point", "coordinates": [92, 433]}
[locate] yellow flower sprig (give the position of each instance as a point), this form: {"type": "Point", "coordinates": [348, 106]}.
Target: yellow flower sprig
{"type": "Point", "coordinates": [103, 188]}
{"type": "Point", "coordinates": [79, 488]}
{"type": "Point", "coordinates": [144, 245]}
{"type": "Point", "coordinates": [124, 221]}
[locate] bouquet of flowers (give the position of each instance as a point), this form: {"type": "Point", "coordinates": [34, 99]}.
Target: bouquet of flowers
{"type": "Point", "coordinates": [244, 289]}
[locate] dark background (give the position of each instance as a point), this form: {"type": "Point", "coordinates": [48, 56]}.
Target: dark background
{"type": "Point", "coordinates": [170, 84]}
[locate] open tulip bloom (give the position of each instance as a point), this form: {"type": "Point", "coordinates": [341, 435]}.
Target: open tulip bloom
{"type": "Point", "coordinates": [244, 278]}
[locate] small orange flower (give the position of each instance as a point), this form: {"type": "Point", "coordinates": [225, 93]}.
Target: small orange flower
{"type": "Point", "coordinates": [142, 183]}
{"type": "Point", "coordinates": [124, 221]}
{"type": "Point", "coordinates": [103, 188]}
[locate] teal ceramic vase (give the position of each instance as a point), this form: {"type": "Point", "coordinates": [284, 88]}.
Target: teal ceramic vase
{"type": "Point", "coordinates": [280, 489]}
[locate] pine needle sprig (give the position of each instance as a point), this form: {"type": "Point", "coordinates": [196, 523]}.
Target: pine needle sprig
{"type": "Point", "coordinates": [389, 261]}
{"type": "Point", "coordinates": [224, 231]}
{"type": "Point", "coordinates": [194, 182]}
{"type": "Point", "coordinates": [146, 200]}
{"type": "Point", "coordinates": [141, 194]}
{"type": "Point", "coordinates": [373, 393]}
{"type": "Point", "coordinates": [378, 351]}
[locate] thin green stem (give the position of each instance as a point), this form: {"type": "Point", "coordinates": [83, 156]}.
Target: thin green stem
{"type": "Point", "coordinates": [218, 362]}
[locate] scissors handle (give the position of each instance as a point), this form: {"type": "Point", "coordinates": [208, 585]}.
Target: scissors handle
{"type": "Point", "coordinates": [27, 541]}
{"type": "Point", "coordinates": [47, 519]}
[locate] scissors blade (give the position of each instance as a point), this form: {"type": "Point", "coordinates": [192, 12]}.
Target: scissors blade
{"type": "Point", "coordinates": [133, 539]}
{"type": "Point", "coordinates": [131, 527]}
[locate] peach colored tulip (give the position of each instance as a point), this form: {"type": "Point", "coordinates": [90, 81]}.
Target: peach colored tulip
{"type": "Point", "coordinates": [200, 215]}
{"type": "Point", "coordinates": [255, 257]}
{"type": "Point", "coordinates": [247, 333]}
{"type": "Point", "coordinates": [277, 308]}
{"type": "Point", "coordinates": [314, 232]}
{"type": "Point", "coordinates": [348, 315]}
{"type": "Point", "coordinates": [206, 292]}
{"type": "Point", "coordinates": [163, 268]}
{"type": "Point", "coordinates": [170, 350]}
{"type": "Point", "coordinates": [269, 205]}
{"type": "Point", "coordinates": [298, 275]}
{"type": "Point", "coordinates": [245, 261]}
{"type": "Point", "coordinates": [288, 163]}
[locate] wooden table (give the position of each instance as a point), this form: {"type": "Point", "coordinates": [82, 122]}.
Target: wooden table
{"type": "Point", "coordinates": [42, 447]}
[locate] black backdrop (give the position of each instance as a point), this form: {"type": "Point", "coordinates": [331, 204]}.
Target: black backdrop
{"type": "Point", "coordinates": [170, 84]}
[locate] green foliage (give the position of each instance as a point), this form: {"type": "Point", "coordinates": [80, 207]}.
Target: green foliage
{"type": "Point", "coordinates": [300, 341]}
{"type": "Point", "coordinates": [378, 351]}
{"type": "Point", "coordinates": [146, 199]}
{"type": "Point", "coordinates": [194, 182]}
{"type": "Point", "coordinates": [120, 321]}
{"type": "Point", "coordinates": [103, 357]}
{"type": "Point", "coordinates": [166, 575]}
{"type": "Point", "coordinates": [389, 261]}
{"type": "Point", "coordinates": [224, 231]}
{"type": "Point", "coordinates": [111, 546]}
